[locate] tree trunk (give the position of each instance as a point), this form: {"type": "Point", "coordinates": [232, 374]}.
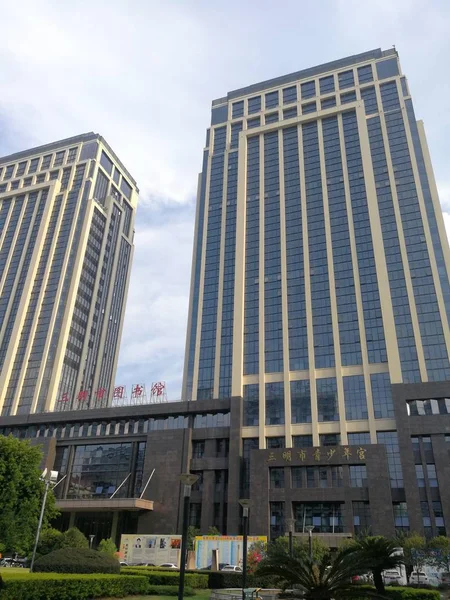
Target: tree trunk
{"type": "Point", "coordinates": [378, 581]}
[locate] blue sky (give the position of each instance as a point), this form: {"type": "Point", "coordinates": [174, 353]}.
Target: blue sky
{"type": "Point", "coordinates": [143, 74]}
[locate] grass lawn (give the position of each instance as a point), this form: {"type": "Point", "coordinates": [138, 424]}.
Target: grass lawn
{"type": "Point", "coordinates": [5, 571]}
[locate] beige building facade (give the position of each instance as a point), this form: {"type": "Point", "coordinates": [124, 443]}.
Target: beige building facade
{"type": "Point", "coordinates": [321, 264]}
{"type": "Point", "coordinates": [67, 213]}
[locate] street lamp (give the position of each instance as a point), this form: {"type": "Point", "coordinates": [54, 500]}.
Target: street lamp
{"type": "Point", "coordinates": [309, 529]}
{"type": "Point", "coordinates": [91, 540]}
{"type": "Point", "coordinates": [290, 525]}
{"type": "Point", "coordinates": [49, 478]}
{"type": "Point", "coordinates": [245, 503]}
{"type": "Point", "coordinates": [188, 480]}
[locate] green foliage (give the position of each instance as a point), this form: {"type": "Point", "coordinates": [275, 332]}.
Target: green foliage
{"type": "Point", "coordinates": [218, 580]}
{"type": "Point", "coordinates": [213, 531]}
{"type": "Point", "coordinates": [43, 586]}
{"type": "Point", "coordinates": [300, 548]}
{"type": "Point", "coordinates": [376, 553]}
{"type": "Point", "coordinates": [191, 534]}
{"type": "Point", "coordinates": [410, 541]}
{"type": "Point", "coordinates": [107, 547]}
{"type": "Point", "coordinates": [195, 580]}
{"type": "Point", "coordinates": [442, 543]}
{"type": "Point", "coordinates": [49, 540]}
{"type": "Point", "coordinates": [329, 578]}
{"type": "Point", "coordinates": [76, 560]}
{"type": "Point", "coordinates": [21, 494]}
{"type": "Point", "coordinates": [401, 593]}
{"type": "Point", "coordinates": [73, 538]}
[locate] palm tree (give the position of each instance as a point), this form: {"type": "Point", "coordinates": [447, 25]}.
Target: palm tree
{"type": "Point", "coordinates": [329, 578]}
{"type": "Point", "coordinates": [377, 554]}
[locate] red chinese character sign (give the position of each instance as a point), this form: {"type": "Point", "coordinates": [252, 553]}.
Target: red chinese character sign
{"type": "Point", "coordinates": [82, 396]}
{"type": "Point", "coordinates": [138, 394]}
{"type": "Point", "coordinates": [100, 398]}
{"type": "Point", "coordinates": [158, 392]}
{"type": "Point", "coordinates": [119, 395]}
{"type": "Point", "coordinates": [63, 403]}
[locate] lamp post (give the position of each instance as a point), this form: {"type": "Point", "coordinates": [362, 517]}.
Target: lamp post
{"type": "Point", "coordinates": [188, 480]}
{"type": "Point", "coordinates": [290, 525]}
{"type": "Point", "coordinates": [91, 540]}
{"type": "Point", "coordinates": [245, 503]}
{"type": "Point", "coordinates": [309, 529]}
{"type": "Point", "coordinates": [49, 478]}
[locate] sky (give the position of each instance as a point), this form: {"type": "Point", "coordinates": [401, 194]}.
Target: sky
{"type": "Point", "coordinates": [143, 74]}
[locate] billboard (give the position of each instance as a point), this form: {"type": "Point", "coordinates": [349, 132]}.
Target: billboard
{"type": "Point", "coordinates": [230, 549]}
{"type": "Point", "coordinates": [156, 549]}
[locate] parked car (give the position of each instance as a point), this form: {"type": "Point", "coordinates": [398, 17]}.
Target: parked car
{"type": "Point", "coordinates": [418, 577]}
{"type": "Point", "coordinates": [231, 569]}
{"type": "Point", "coordinates": [123, 563]}
{"type": "Point", "coordinates": [392, 576]}
{"type": "Point", "coordinates": [144, 565]}
{"type": "Point", "coordinates": [169, 566]}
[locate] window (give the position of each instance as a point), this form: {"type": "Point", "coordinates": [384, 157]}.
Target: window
{"type": "Point", "coordinates": [46, 162]}
{"type": "Point", "coordinates": [308, 89]}
{"type": "Point", "coordinates": [300, 401]}
{"type": "Point", "coordinates": [302, 441]}
{"type": "Point", "coordinates": [272, 99]}
{"type": "Point", "coordinates": [432, 476]}
{"type": "Point", "coordinates": [236, 128]}
{"type": "Point", "coordinates": [365, 74]}
{"type": "Point", "coordinates": [390, 440]}
{"type": "Point", "coordinates": [327, 399]}
{"type": "Point", "coordinates": [346, 79]}
{"type": "Point", "coordinates": [40, 178]}
{"type": "Point", "coordinates": [276, 519]}
{"type": "Point", "coordinates": [358, 475]}
{"type": "Point", "coordinates": [195, 514]}
{"type": "Point", "coordinates": [237, 109]}
{"type": "Point", "coordinates": [337, 477]}
{"type": "Point", "coordinates": [326, 517]}
{"type": "Point", "coordinates": [27, 181]}
{"type": "Point", "coordinates": [222, 447]}
{"type": "Point", "coordinates": [254, 105]}
{"type": "Point", "coordinates": [290, 113]}
{"type": "Point", "coordinates": [323, 477]}
{"type": "Point", "coordinates": [420, 476]}
{"type": "Point", "coordinates": [358, 439]}
{"type": "Point", "coordinates": [106, 163]}
{"type": "Point", "coordinates": [54, 175]}
{"type": "Point", "coordinates": [21, 169]}
{"type": "Point", "coordinates": [65, 178]}
{"type": "Point", "coordinates": [275, 403]}
{"type": "Point", "coordinates": [308, 108]}
{"type": "Point", "coordinates": [348, 97]}
{"type": "Point", "coordinates": [198, 485]}
{"type": "Point", "coordinates": [33, 166]}
{"type": "Point", "coordinates": [401, 519]}
{"type": "Point", "coordinates": [126, 188]}
{"type": "Point", "coordinates": [310, 477]}
{"type": "Point", "coordinates": [426, 519]}
{"type": "Point", "coordinates": [198, 448]}
{"type": "Point", "coordinates": [326, 84]}
{"type": "Point", "coordinates": [15, 184]}
{"type": "Point", "coordinates": [276, 477]}
{"type": "Point", "coordinates": [251, 404]}
{"type": "Point", "coordinates": [271, 118]}
{"type": "Point", "coordinates": [361, 517]}
{"type": "Point", "coordinates": [355, 398]}
{"type": "Point", "coordinates": [251, 123]}
{"type": "Point", "coordinates": [328, 102]}
{"type": "Point", "coordinates": [330, 439]}
{"type": "Point", "coordinates": [382, 396]}
{"type": "Point", "coordinates": [3, 187]}
{"type": "Point", "coordinates": [9, 172]}
{"type": "Point", "coordinates": [290, 95]}
{"type": "Point", "coordinates": [368, 95]}
{"type": "Point", "coordinates": [59, 158]}
{"type": "Point", "coordinates": [72, 155]}
{"type": "Point", "coordinates": [298, 476]}
{"type": "Point", "coordinates": [275, 442]}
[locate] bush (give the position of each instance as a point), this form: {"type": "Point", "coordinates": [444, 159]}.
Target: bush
{"type": "Point", "coordinates": [405, 593]}
{"type": "Point", "coordinates": [49, 540]}
{"type": "Point", "coordinates": [43, 586]}
{"type": "Point", "coordinates": [194, 580]}
{"type": "Point", "coordinates": [73, 538]}
{"type": "Point", "coordinates": [218, 580]}
{"type": "Point", "coordinates": [107, 547]}
{"type": "Point", "coordinates": [76, 560]}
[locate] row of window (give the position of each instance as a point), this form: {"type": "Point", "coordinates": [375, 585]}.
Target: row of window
{"type": "Point", "coordinates": [122, 427]}
{"type": "Point", "coordinates": [313, 477]}
{"type": "Point", "coordinates": [37, 179]}
{"type": "Point", "coordinates": [307, 89]}
{"type": "Point", "coordinates": [433, 406]}
{"type": "Point", "coordinates": [40, 163]}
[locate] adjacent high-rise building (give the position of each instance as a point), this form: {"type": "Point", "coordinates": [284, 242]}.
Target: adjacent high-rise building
{"type": "Point", "coordinates": [320, 282]}
{"type": "Point", "coordinates": [66, 243]}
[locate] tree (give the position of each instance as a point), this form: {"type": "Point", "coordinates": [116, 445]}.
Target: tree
{"type": "Point", "coordinates": [377, 554]}
{"type": "Point", "coordinates": [331, 577]}
{"type": "Point", "coordinates": [107, 547]}
{"type": "Point", "coordinates": [21, 494]}
{"type": "Point", "coordinates": [73, 538]}
{"type": "Point", "coordinates": [409, 542]}
{"type": "Point", "coordinates": [49, 540]}
{"type": "Point", "coordinates": [300, 547]}
{"type": "Point", "coordinates": [191, 535]}
{"type": "Point", "coordinates": [441, 558]}
{"type": "Point", "coordinates": [213, 531]}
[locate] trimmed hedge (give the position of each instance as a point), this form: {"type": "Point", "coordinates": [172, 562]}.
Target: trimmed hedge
{"type": "Point", "coordinates": [405, 593]}
{"type": "Point", "coordinates": [194, 580]}
{"type": "Point", "coordinates": [77, 560]}
{"type": "Point", "coordinates": [46, 586]}
{"type": "Point", "coordinates": [217, 580]}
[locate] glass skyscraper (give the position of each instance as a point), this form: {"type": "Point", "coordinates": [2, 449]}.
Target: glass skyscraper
{"type": "Point", "coordinates": [66, 243]}
{"type": "Point", "coordinates": [321, 263]}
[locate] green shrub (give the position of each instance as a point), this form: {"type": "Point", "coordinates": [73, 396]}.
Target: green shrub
{"type": "Point", "coordinates": [194, 580]}
{"type": "Point", "coordinates": [218, 581]}
{"type": "Point", "coordinates": [49, 540]}
{"type": "Point", "coordinates": [73, 538]}
{"type": "Point", "coordinates": [405, 593]}
{"type": "Point", "coordinates": [45, 586]}
{"type": "Point", "coordinates": [107, 547]}
{"type": "Point", "coordinates": [76, 560]}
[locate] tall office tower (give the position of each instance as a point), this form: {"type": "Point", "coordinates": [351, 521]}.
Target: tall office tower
{"type": "Point", "coordinates": [66, 243]}
{"type": "Point", "coordinates": [320, 284]}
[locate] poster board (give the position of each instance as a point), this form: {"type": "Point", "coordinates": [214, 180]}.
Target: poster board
{"type": "Point", "coordinates": [230, 549]}
{"type": "Point", "coordinates": [156, 549]}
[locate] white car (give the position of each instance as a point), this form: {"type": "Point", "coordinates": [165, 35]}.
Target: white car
{"type": "Point", "coordinates": [231, 569]}
{"type": "Point", "coordinates": [392, 576]}
{"type": "Point", "coordinates": [169, 566]}
{"type": "Point", "coordinates": [418, 577]}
